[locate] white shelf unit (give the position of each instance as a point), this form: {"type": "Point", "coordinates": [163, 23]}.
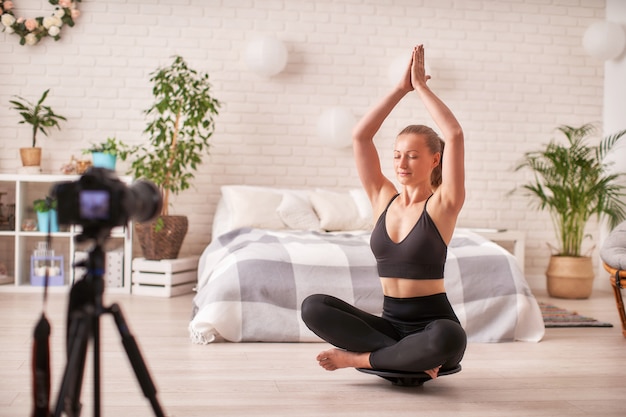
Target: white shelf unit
{"type": "Point", "coordinates": [17, 245]}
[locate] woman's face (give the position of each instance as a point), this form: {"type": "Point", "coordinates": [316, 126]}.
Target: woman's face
{"type": "Point", "coordinates": [412, 159]}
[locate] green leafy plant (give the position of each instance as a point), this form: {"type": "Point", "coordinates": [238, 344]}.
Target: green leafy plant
{"type": "Point", "coordinates": [571, 181]}
{"type": "Point", "coordinates": [43, 205]}
{"type": "Point", "coordinates": [180, 124]}
{"type": "Point", "coordinates": [37, 115]}
{"type": "Point", "coordinates": [111, 146]}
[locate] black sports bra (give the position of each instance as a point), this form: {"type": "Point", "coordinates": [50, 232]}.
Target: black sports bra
{"type": "Point", "coordinates": [420, 255]}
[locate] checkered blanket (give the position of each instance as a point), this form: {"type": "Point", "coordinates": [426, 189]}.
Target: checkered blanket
{"type": "Point", "coordinates": [251, 284]}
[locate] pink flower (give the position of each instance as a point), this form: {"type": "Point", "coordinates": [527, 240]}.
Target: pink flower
{"type": "Point", "coordinates": [65, 3]}
{"type": "Point", "coordinates": [75, 14]}
{"type": "Point", "coordinates": [31, 24]}
{"type": "Point", "coordinates": [8, 5]}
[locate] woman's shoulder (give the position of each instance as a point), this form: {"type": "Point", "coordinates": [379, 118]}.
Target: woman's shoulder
{"type": "Point", "coordinates": [381, 200]}
{"type": "Point", "coordinates": [443, 215]}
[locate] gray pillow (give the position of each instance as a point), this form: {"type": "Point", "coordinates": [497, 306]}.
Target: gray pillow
{"type": "Point", "coordinates": [613, 251]}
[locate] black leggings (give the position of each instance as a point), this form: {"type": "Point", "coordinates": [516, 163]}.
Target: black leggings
{"type": "Point", "coordinates": [413, 334]}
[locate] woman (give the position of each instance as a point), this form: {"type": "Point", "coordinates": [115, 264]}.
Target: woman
{"type": "Point", "coordinates": [418, 330]}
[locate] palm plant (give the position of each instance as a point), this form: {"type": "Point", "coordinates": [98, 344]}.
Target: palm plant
{"type": "Point", "coordinates": [571, 181]}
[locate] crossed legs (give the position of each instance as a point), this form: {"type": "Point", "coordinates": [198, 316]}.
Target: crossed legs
{"type": "Point", "coordinates": [368, 341]}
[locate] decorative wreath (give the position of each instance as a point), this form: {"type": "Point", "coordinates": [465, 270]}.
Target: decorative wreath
{"type": "Point", "coordinates": [32, 30]}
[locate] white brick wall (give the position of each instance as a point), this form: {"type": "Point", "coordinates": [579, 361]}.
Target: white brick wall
{"type": "Point", "coordinates": [511, 70]}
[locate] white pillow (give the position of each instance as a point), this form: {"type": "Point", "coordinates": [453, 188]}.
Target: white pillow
{"type": "Point", "coordinates": [364, 206]}
{"type": "Point", "coordinates": [337, 211]}
{"type": "Point", "coordinates": [297, 213]}
{"type": "Point", "coordinates": [252, 207]}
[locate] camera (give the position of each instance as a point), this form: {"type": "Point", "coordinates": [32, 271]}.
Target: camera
{"type": "Point", "coordinates": [99, 200]}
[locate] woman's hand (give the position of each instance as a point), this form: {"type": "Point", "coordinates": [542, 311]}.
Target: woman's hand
{"type": "Point", "coordinates": [405, 83]}
{"type": "Point", "coordinates": [417, 70]}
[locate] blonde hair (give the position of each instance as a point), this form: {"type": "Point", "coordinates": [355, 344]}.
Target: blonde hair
{"type": "Point", "coordinates": [434, 143]}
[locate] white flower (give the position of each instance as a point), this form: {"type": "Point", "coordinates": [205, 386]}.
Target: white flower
{"type": "Point", "coordinates": [59, 12]}
{"type": "Point", "coordinates": [48, 22]}
{"type": "Point", "coordinates": [7, 20]}
{"type": "Point", "coordinates": [31, 39]}
{"type": "Point", "coordinates": [54, 31]}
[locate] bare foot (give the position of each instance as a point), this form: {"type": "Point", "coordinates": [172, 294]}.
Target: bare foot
{"type": "Point", "coordinates": [433, 373]}
{"type": "Point", "coordinates": [333, 359]}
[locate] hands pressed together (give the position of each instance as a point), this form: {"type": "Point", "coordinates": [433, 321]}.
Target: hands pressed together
{"type": "Point", "coordinates": [415, 75]}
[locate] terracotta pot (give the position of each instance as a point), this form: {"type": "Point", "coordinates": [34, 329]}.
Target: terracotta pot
{"type": "Point", "coordinates": [570, 277]}
{"type": "Point", "coordinates": [165, 243]}
{"type": "Point", "coordinates": [31, 157]}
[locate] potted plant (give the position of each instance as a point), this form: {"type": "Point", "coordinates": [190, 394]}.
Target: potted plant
{"type": "Point", "coordinates": [41, 118]}
{"type": "Point", "coordinates": [180, 124]}
{"type": "Point", "coordinates": [46, 214]}
{"type": "Point", "coordinates": [105, 154]}
{"type": "Point", "coordinates": [572, 183]}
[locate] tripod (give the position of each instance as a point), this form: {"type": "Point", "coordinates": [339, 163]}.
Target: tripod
{"type": "Point", "coordinates": [84, 312]}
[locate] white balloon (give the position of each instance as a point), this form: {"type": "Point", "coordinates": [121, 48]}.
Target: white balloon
{"type": "Point", "coordinates": [604, 40]}
{"type": "Point", "coordinates": [266, 56]}
{"type": "Point", "coordinates": [334, 127]}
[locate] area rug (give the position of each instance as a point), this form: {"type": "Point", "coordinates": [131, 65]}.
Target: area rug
{"type": "Point", "coordinates": [554, 316]}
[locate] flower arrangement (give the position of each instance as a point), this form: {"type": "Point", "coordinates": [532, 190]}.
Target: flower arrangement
{"type": "Point", "coordinates": [32, 30]}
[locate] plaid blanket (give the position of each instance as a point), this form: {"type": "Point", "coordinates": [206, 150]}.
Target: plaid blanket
{"type": "Point", "coordinates": [251, 283]}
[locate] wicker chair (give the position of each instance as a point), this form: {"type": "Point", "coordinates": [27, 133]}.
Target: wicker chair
{"type": "Point", "coordinates": [613, 254]}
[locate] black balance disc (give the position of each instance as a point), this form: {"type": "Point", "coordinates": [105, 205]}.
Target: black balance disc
{"type": "Point", "coordinates": [407, 379]}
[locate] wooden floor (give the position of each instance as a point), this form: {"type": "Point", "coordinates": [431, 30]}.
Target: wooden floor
{"type": "Point", "coordinates": [572, 372]}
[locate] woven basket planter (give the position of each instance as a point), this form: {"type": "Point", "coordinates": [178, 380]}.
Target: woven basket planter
{"type": "Point", "coordinates": [570, 277]}
{"type": "Point", "coordinates": [164, 244]}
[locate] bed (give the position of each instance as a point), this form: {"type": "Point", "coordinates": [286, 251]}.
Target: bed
{"type": "Point", "coordinates": [273, 247]}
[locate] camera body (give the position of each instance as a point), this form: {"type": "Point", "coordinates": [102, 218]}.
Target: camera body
{"type": "Point", "coordinates": [99, 200]}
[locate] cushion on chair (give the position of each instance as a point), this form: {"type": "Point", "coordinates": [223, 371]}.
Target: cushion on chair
{"type": "Point", "coordinates": [613, 251]}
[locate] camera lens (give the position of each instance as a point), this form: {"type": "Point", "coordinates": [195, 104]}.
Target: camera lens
{"type": "Point", "coordinates": [146, 201]}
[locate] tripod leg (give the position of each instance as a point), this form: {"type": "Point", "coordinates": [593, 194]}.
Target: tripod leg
{"type": "Point", "coordinates": [69, 393]}
{"type": "Point", "coordinates": [136, 360]}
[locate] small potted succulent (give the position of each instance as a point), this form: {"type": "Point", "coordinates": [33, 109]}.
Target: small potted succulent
{"type": "Point", "coordinates": [46, 209]}
{"type": "Point", "coordinates": [41, 118]}
{"type": "Point", "coordinates": [105, 154]}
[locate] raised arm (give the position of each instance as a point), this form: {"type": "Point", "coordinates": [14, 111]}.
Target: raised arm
{"type": "Point", "coordinates": [451, 192]}
{"type": "Point", "coordinates": [365, 153]}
